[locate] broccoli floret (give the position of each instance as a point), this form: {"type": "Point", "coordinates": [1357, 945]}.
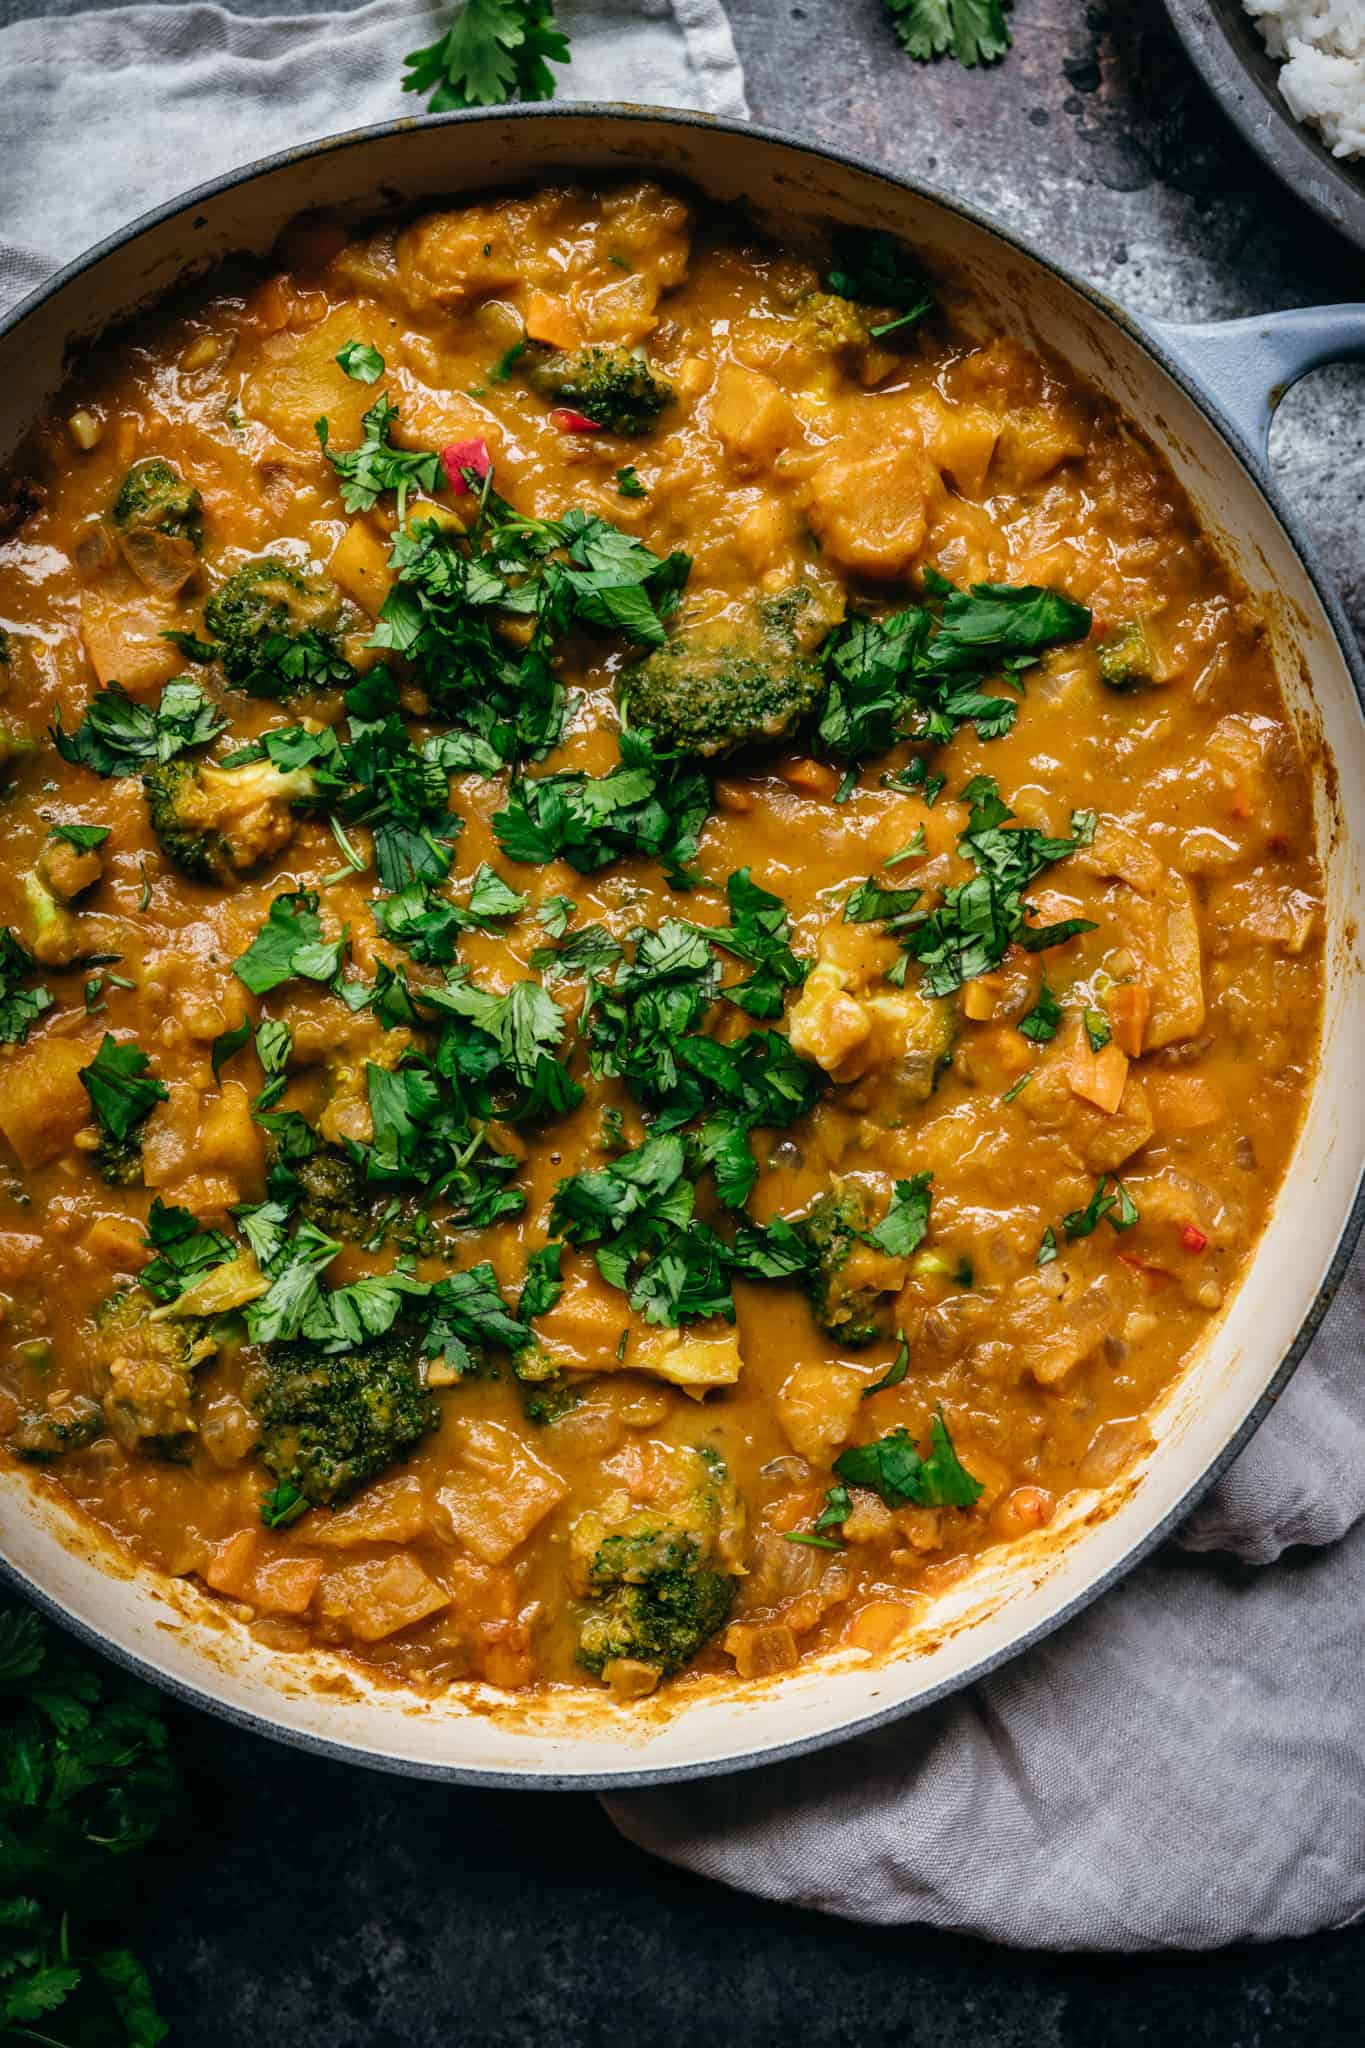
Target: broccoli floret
{"type": "Point", "coordinates": [659, 1603]}
{"type": "Point", "coordinates": [148, 1355]}
{"type": "Point", "coordinates": [53, 934]}
{"type": "Point", "coordinates": [119, 1160]}
{"type": "Point", "coordinates": [274, 629]}
{"type": "Point", "coordinates": [853, 1308]}
{"type": "Point", "coordinates": [832, 325]}
{"type": "Point", "coordinates": [661, 1580]}
{"type": "Point", "coordinates": [609, 386]}
{"type": "Point", "coordinates": [15, 744]}
{"type": "Point", "coordinates": [331, 1421]}
{"type": "Point", "coordinates": [43, 1433]}
{"type": "Point", "coordinates": [716, 688]}
{"type": "Point", "coordinates": [216, 822]}
{"type": "Point", "coordinates": [1125, 657]}
{"type": "Point", "coordinates": [154, 497]}
{"type": "Point", "coordinates": [335, 1195]}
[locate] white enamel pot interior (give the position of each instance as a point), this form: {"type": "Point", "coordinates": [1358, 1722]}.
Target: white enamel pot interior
{"type": "Point", "coordinates": [185, 1642]}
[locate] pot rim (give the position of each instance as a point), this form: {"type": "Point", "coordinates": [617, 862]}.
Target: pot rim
{"type": "Point", "coordinates": [1257, 476]}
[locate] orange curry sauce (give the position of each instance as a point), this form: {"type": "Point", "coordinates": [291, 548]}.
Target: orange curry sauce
{"type": "Point", "coordinates": [796, 450]}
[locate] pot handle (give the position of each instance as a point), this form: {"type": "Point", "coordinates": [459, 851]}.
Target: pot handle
{"type": "Point", "coordinates": [1246, 366]}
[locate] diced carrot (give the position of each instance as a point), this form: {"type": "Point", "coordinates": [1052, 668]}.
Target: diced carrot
{"type": "Point", "coordinates": [760, 1649]}
{"type": "Point", "coordinates": [1154, 1276]}
{"type": "Point", "coordinates": [1099, 1077]}
{"type": "Point", "coordinates": [813, 778]}
{"type": "Point", "coordinates": [1184, 1102]}
{"type": "Point", "coordinates": [231, 1565]}
{"type": "Point", "coordinates": [1193, 1238]}
{"type": "Point", "coordinates": [878, 1625]}
{"type": "Point", "coordinates": [550, 320]}
{"type": "Point", "coordinates": [1129, 1005]}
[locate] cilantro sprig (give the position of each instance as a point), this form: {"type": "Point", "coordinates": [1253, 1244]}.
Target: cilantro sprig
{"type": "Point", "coordinates": [493, 51]}
{"type": "Point", "coordinates": [973, 31]}
{"type": "Point", "coordinates": [88, 1783]}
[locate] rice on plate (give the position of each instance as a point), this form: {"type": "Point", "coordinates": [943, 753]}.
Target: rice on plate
{"type": "Point", "coordinates": [1322, 77]}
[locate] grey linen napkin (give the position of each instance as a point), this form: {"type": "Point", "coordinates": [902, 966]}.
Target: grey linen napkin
{"type": "Point", "coordinates": [106, 115]}
{"type": "Point", "coordinates": [1184, 1764]}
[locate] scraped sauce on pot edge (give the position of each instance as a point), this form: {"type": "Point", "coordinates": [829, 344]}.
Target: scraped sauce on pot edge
{"type": "Point", "coordinates": [793, 452]}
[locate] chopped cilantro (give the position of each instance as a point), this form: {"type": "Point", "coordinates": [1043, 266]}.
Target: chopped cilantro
{"type": "Point", "coordinates": [628, 485]}
{"type": "Point", "coordinates": [917, 675]}
{"type": "Point", "coordinates": [759, 933]}
{"type": "Point", "coordinates": [1096, 1029]}
{"type": "Point", "coordinates": [651, 805]}
{"type": "Point", "coordinates": [870, 266]}
{"type": "Point", "coordinates": [906, 1221]}
{"type": "Point", "coordinates": [118, 736]}
{"type": "Point", "coordinates": [85, 838]}
{"type": "Point", "coordinates": [290, 943]}
{"type": "Point", "coordinates": [892, 1467]}
{"type": "Point", "coordinates": [361, 360]}
{"type": "Point", "coordinates": [122, 1089]}
{"type": "Point", "coordinates": [376, 466]}
{"type": "Point", "coordinates": [1110, 1199]}
{"type": "Point", "coordinates": [894, 1373]}
{"type": "Point", "coordinates": [19, 1007]}
{"type": "Point", "coordinates": [1042, 1021]}
{"type": "Point", "coordinates": [184, 1251]}
{"type": "Point", "coordinates": [553, 915]}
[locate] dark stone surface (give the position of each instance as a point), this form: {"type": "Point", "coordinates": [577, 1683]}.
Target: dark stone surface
{"type": "Point", "coordinates": [311, 1902]}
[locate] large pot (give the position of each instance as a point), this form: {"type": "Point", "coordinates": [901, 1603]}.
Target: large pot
{"type": "Point", "coordinates": [1214, 440]}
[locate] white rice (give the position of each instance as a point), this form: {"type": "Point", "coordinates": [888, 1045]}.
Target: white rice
{"type": "Point", "coordinates": [1322, 76]}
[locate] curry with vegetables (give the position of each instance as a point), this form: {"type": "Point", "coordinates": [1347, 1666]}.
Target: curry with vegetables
{"type": "Point", "coordinates": [662, 943]}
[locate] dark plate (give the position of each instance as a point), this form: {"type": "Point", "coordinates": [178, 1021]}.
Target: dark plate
{"type": "Point", "coordinates": [1226, 48]}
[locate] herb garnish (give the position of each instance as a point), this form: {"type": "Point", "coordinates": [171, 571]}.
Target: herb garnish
{"type": "Point", "coordinates": [88, 1783]}
{"type": "Point", "coordinates": [493, 51]}
{"type": "Point", "coordinates": [893, 1468]}
{"type": "Point", "coordinates": [122, 1089]}
{"type": "Point", "coordinates": [918, 675]}
{"type": "Point", "coordinates": [870, 266]}
{"type": "Point", "coordinates": [972, 31]}
{"type": "Point", "coordinates": [19, 1007]}
{"type": "Point", "coordinates": [362, 361]}
{"type": "Point", "coordinates": [118, 736]}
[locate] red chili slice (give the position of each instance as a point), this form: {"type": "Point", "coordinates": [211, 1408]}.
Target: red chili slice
{"type": "Point", "coordinates": [570, 422]}
{"type": "Point", "coordinates": [459, 456]}
{"type": "Point", "coordinates": [1193, 1238]}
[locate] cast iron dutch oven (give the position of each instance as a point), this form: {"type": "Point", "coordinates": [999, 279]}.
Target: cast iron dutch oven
{"type": "Point", "coordinates": [1204, 397]}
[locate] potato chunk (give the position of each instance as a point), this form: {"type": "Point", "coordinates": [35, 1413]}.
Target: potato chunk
{"type": "Point", "coordinates": [817, 1407]}
{"type": "Point", "coordinates": [374, 1600]}
{"type": "Point", "coordinates": [1154, 909]}
{"type": "Point", "coordinates": [499, 1492]}
{"type": "Point", "coordinates": [871, 512]}
{"type": "Point", "coordinates": [42, 1100]}
{"type": "Point", "coordinates": [751, 416]}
